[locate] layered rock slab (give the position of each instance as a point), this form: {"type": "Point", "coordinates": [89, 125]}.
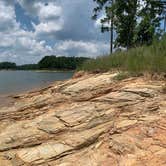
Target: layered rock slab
{"type": "Point", "coordinates": [91, 120]}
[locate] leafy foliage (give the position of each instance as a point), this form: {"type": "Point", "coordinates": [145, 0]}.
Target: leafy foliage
{"type": "Point", "coordinates": [28, 67]}
{"type": "Point", "coordinates": [136, 22]}
{"type": "Point", "coordinates": [53, 62]}
{"type": "Point", "coordinates": [125, 22]}
{"type": "Point", "coordinates": [149, 26]}
{"type": "Point", "coordinates": [7, 65]}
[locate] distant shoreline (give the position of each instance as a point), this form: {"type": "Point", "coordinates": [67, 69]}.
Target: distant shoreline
{"type": "Point", "coordinates": [60, 63]}
{"type": "Point", "coordinates": [39, 70]}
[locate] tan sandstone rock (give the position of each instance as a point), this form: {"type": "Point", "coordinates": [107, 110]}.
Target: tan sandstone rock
{"type": "Point", "coordinates": [90, 120]}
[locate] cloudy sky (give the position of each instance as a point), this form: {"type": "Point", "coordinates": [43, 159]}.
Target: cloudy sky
{"type": "Point", "coordinates": [31, 29]}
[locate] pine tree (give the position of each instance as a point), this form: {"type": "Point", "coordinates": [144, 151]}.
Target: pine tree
{"type": "Point", "coordinates": [125, 23]}
{"type": "Point", "coordinates": [108, 21]}
{"type": "Point", "coordinates": [136, 22]}
{"type": "Point", "coordinates": [150, 18]}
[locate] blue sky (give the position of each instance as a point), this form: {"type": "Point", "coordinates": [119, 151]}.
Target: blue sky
{"type": "Point", "coordinates": [31, 29]}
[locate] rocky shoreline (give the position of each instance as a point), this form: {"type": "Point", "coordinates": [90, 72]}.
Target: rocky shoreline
{"type": "Point", "coordinates": [90, 120]}
{"type": "Point", "coordinates": [6, 101]}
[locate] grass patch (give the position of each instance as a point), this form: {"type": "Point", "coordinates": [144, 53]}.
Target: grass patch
{"type": "Point", "coordinates": [136, 60]}
{"type": "Point", "coordinates": [121, 76]}
{"type": "Point", "coordinates": [124, 75]}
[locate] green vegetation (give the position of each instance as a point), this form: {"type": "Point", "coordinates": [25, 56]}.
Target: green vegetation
{"type": "Point", "coordinates": [48, 63]}
{"type": "Point", "coordinates": [28, 67]}
{"type": "Point", "coordinates": [136, 25]}
{"type": "Point", "coordinates": [122, 76]}
{"type": "Point", "coordinates": [7, 65]}
{"type": "Point", "coordinates": [135, 22]}
{"type": "Point", "coordinates": [61, 63]}
{"type": "Point", "coordinates": [136, 60]}
{"type": "Point", "coordinates": [138, 31]}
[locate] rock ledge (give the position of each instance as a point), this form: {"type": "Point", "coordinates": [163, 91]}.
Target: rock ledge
{"type": "Point", "coordinates": [90, 120]}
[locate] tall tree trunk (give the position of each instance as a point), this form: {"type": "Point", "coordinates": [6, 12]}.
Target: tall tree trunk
{"type": "Point", "coordinates": [112, 31]}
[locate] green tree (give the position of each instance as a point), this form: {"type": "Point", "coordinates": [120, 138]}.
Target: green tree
{"type": "Point", "coordinates": [7, 65]}
{"type": "Point", "coordinates": [108, 21]}
{"type": "Point", "coordinates": [150, 17]}
{"type": "Point", "coordinates": [125, 23]}
{"type": "Point", "coordinates": [61, 63]}
{"type": "Point", "coordinates": [135, 21]}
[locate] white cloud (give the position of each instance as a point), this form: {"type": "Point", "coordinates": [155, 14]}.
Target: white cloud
{"type": "Point", "coordinates": [6, 42]}
{"type": "Point", "coordinates": [7, 17]}
{"type": "Point", "coordinates": [142, 4]}
{"type": "Point", "coordinates": [86, 46]}
{"type": "Point", "coordinates": [81, 48]}
{"type": "Point", "coordinates": [23, 46]}
{"type": "Point", "coordinates": [49, 17]}
{"type": "Point", "coordinates": [47, 27]}
{"type": "Point", "coordinates": [17, 44]}
{"type": "Point", "coordinates": [98, 23]}
{"type": "Point", "coordinates": [49, 11]}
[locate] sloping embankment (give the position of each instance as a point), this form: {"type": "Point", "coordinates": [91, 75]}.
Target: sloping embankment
{"type": "Point", "coordinates": [92, 120]}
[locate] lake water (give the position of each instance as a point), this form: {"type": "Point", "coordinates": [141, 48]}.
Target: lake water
{"type": "Point", "coordinates": [12, 82]}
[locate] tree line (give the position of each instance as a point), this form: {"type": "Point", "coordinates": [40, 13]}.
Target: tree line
{"type": "Point", "coordinates": [132, 23]}
{"type": "Point", "coordinates": [48, 62]}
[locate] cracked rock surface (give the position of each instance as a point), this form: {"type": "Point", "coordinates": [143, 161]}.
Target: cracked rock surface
{"type": "Point", "coordinates": [92, 120]}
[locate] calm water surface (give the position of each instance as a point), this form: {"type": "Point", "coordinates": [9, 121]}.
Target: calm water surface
{"type": "Point", "coordinates": [12, 82]}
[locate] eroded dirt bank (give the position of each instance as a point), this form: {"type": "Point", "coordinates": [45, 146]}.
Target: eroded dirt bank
{"type": "Point", "coordinates": [92, 120]}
